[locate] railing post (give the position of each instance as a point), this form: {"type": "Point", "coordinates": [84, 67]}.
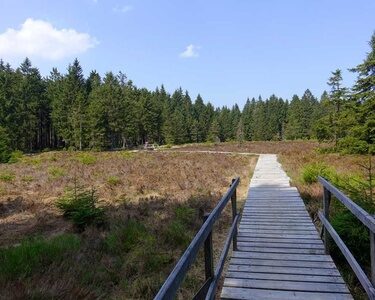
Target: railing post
{"type": "Point", "coordinates": [234, 213]}
{"type": "Point", "coordinates": [208, 253]}
{"type": "Point", "coordinates": [372, 255]}
{"type": "Point", "coordinates": [326, 204]}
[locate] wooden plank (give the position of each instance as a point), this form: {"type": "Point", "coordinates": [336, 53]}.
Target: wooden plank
{"type": "Point", "coordinates": [281, 245]}
{"type": "Point", "coordinates": [275, 256]}
{"type": "Point", "coordinates": [282, 263]}
{"type": "Point", "coordinates": [279, 241]}
{"type": "Point", "coordinates": [287, 285]}
{"type": "Point", "coordinates": [287, 277]}
{"type": "Point", "coordinates": [261, 294]}
{"type": "Point", "coordinates": [278, 236]}
{"type": "Point", "coordinates": [243, 247]}
{"type": "Point", "coordinates": [284, 270]}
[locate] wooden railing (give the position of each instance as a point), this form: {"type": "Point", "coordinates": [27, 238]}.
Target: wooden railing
{"type": "Point", "coordinates": [204, 237]}
{"type": "Point", "coordinates": [328, 230]}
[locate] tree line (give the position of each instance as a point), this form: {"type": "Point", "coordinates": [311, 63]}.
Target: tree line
{"type": "Point", "coordinates": [71, 111]}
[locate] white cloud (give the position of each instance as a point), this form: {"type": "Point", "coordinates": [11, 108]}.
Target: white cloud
{"type": "Point", "coordinates": [190, 51]}
{"type": "Point", "coordinates": [122, 9]}
{"type": "Point", "coordinates": [38, 38]}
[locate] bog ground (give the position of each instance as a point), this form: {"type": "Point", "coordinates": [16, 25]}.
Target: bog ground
{"type": "Point", "coordinates": [153, 203]}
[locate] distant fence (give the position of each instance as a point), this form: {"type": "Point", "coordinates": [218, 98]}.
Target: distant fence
{"type": "Point", "coordinates": [361, 215]}
{"type": "Point", "coordinates": [204, 237]}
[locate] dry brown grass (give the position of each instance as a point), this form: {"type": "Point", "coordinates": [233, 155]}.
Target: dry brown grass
{"type": "Point", "coordinates": [27, 200]}
{"type": "Point", "coordinates": [146, 187]}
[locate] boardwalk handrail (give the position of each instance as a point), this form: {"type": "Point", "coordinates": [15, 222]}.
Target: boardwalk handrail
{"type": "Point", "coordinates": [360, 214]}
{"type": "Point", "coordinates": [204, 236]}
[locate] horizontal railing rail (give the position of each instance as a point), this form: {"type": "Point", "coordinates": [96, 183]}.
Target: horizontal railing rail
{"type": "Point", "coordinates": [329, 231]}
{"type": "Point", "coordinates": [204, 238]}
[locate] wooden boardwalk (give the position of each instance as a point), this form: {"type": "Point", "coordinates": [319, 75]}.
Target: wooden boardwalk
{"type": "Point", "coordinates": [280, 255]}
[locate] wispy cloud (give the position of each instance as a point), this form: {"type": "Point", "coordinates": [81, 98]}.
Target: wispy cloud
{"type": "Point", "coordinates": [190, 51]}
{"type": "Point", "coordinates": [123, 9]}
{"type": "Point", "coordinates": [38, 38]}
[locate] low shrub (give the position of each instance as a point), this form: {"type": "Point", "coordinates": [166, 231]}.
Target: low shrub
{"type": "Point", "coordinates": [86, 158]}
{"type": "Point", "coordinates": [124, 238]}
{"type": "Point", "coordinates": [177, 234]}
{"type": "Point", "coordinates": [34, 255]}
{"type": "Point", "coordinates": [80, 206]}
{"type": "Point", "coordinates": [311, 172]}
{"type": "Point", "coordinates": [113, 180]}
{"type": "Point", "coordinates": [352, 145]}
{"type": "Point", "coordinates": [15, 157]}
{"type": "Point", "coordinates": [127, 154]}
{"type": "Point", "coordinates": [56, 172]}
{"type": "Point", "coordinates": [7, 176]}
{"type": "Point", "coordinates": [27, 178]}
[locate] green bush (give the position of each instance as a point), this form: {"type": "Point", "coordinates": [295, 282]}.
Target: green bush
{"type": "Point", "coordinates": [80, 206]}
{"type": "Point", "coordinates": [15, 157]}
{"type": "Point", "coordinates": [185, 214]}
{"type": "Point", "coordinates": [86, 158]}
{"type": "Point", "coordinates": [352, 145]}
{"type": "Point", "coordinates": [56, 172]}
{"type": "Point", "coordinates": [113, 180]}
{"type": "Point", "coordinates": [7, 176]}
{"type": "Point", "coordinates": [34, 255]}
{"type": "Point", "coordinates": [4, 146]}
{"type": "Point", "coordinates": [311, 172]}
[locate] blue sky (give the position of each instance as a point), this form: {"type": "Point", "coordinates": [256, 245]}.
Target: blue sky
{"type": "Point", "coordinates": [225, 50]}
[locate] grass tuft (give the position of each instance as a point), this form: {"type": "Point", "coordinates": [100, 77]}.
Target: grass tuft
{"type": "Point", "coordinates": [86, 158]}
{"type": "Point", "coordinates": [7, 176]}
{"type": "Point", "coordinates": [34, 255]}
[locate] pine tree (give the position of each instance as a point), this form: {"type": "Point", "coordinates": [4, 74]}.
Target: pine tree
{"type": "Point", "coordinates": [4, 146]}
{"type": "Point", "coordinates": [336, 101]}
{"type": "Point", "coordinates": [363, 98]}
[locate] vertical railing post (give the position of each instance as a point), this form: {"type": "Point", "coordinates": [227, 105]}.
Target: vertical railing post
{"type": "Point", "coordinates": [372, 255]}
{"type": "Point", "coordinates": [234, 214]}
{"type": "Point", "coordinates": [208, 253]}
{"type": "Point", "coordinates": [326, 204]}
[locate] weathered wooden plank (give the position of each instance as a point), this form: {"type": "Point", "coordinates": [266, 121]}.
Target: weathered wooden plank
{"type": "Point", "coordinates": [287, 277]}
{"type": "Point", "coordinates": [287, 285]}
{"type": "Point", "coordinates": [261, 294]}
{"type": "Point", "coordinates": [280, 256]}
{"type": "Point", "coordinates": [279, 241]}
{"type": "Point", "coordinates": [284, 270]}
{"type": "Point", "coordinates": [281, 245]}
{"type": "Point", "coordinates": [282, 263]}
{"type": "Point", "coordinates": [243, 247]}
{"type": "Point", "coordinates": [278, 236]}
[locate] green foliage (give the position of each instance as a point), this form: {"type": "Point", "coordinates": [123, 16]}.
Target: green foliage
{"type": "Point", "coordinates": [7, 176]}
{"type": "Point", "coordinates": [124, 238]}
{"type": "Point", "coordinates": [80, 206]}
{"type": "Point", "coordinates": [15, 157]}
{"type": "Point", "coordinates": [56, 172]}
{"type": "Point", "coordinates": [4, 146]}
{"type": "Point", "coordinates": [35, 255]}
{"type": "Point", "coordinates": [86, 158]}
{"type": "Point", "coordinates": [311, 172]}
{"type": "Point", "coordinates": [27, 178]}
{"type": "Point", "coordinates": [127, 154]}
{"type": "Point", "coordinates": [113, 180]}
{"type": "Point", "coordinates": [178, 232]}
{"type": "Point", "coordinates": [352, 145]}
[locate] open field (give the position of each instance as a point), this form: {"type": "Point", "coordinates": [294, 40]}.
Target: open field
{"type": "Point", "coordinates": [153, 204]}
